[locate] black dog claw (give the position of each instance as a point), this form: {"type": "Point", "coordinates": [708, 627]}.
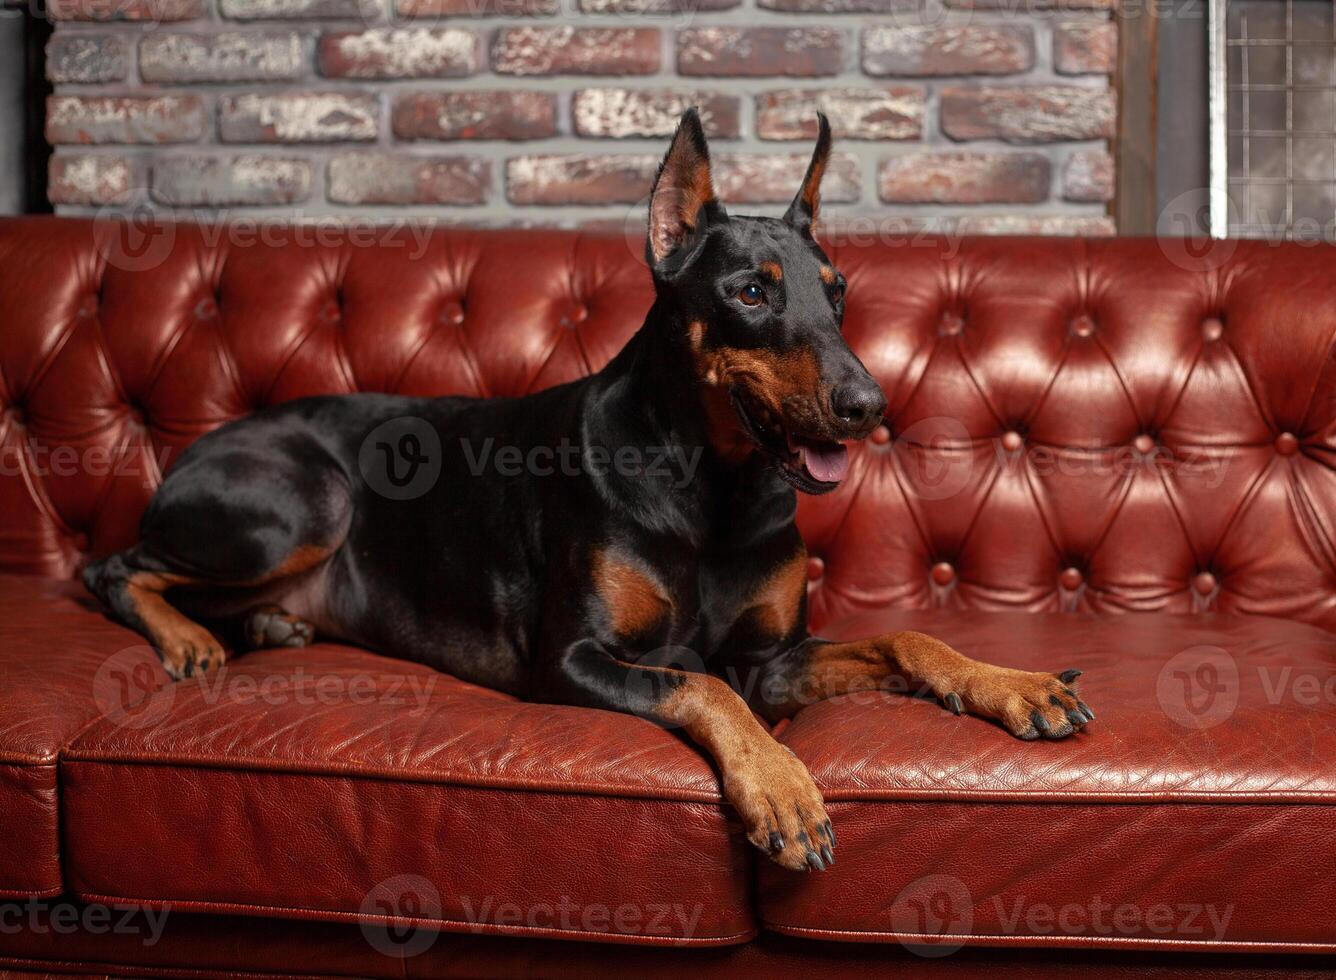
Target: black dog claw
{"type": "Point", "coordinates": [1067, 676]}
{"type": "Point", "coordinates": [1076, 718]}
{"type": "Point", "coordinates": [1090, 715]}
{"type": "Point", "coordinates": [828, 856]}
{"type": "Point", "coordinates": [953, 702]}
{"type": "Point", "coordinates": [1039, 721]}
{"type": "Point", "coordinates": [814, 861]}
{"type": "Point", "coordinates": [776, 841]}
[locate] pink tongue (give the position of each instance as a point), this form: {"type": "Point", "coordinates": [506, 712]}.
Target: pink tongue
{"type": "Point", "coordinates": [829, 464]}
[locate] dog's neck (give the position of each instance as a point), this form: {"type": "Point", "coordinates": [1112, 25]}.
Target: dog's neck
{"type": "Point", "coordinates": [649, 396]}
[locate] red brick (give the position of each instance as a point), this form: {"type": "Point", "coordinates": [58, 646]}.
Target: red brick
{"type": "Point", "coordinates": [964, 178]}
{"type": "Point", "coordinates": [298, 117]}
{"type": "Point", "coordinates": [606, 179]}
{"type": "Point", "coordinates": [576, 51]}
{"type": "Point", "coordinates": [650, 113]}
{"type": "Point", "coordinates": [968, 50]}
{"type": "Point", "coordinates": [247, 179]}
{"type": "Point", "coordinates": [1088, 176]}
{"type": "Point", "coordinates": [476, 8]}
{"type": "Point", "coordinates": [1085, 49]}
{"type": "Point", "coordinates": [587, 179]}
{"type": "Point", "coordinates": [89, 179]}
{"type": "Point", "coordinates": [1023, 7]}
{"type": "Point", "coordinates": [136, 11]}
{"type": "Point", "coordinates": [396, 178]}
{"type": "Point", "coordinates": [771, 178]}
{"type": "Point", "coordinates": [87, 58]}
{"type": "Point", "coordinates": [228, 57]}
{"type": "Point", "coordinates": [124, 119]}
{"type": "Point", "coordinates": [475, 116]}
{"type": "Point", "coordinates": [647, 7]}
{"type": "Point", "coordinates": [840, 6]}
{"type": "Point", "coordinates": [760, 51]}
{"type": "Point", "coordinates": [1035, 114]}
{"type": "Point", "coordinates": [1091, 226]}
{"type": "Point", "coordinates": [363, 10]}
{"type": "Point", "coordinates": [412, 52]}
{"type": "Point", "coordinates": [894, 113]}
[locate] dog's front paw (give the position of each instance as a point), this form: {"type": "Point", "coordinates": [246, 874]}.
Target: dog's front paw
{"type": "Point", "coordinates": [1028, 704]}
{"type": "Point", "coordinates": [782, 809]}
{"type": "Point", "coordinates": [188, 648]}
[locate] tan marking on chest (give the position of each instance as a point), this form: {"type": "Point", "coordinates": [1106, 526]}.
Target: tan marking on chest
{"type": "Point", "coordinates": [777, 603]}
{"type": "Point", "coordinates": [635, 603]}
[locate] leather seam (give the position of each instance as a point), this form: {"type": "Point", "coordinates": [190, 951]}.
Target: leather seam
{"type": "Point", "coordinates": [991, 939]}
{"type": "Point", "coordinates": [364, 774]}
{"type": "Point", "coordinates": [442, 925]}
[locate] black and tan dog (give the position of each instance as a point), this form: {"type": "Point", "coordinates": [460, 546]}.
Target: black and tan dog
{"type": "Point", "coordinates": [560, 588]}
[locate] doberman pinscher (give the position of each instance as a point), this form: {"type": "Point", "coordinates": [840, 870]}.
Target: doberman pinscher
{"type": "Point", "coordinates": [566, 588]}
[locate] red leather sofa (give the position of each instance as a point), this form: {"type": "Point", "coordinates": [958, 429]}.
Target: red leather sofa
{"type": "Point", "coordinates": [1116, 455]}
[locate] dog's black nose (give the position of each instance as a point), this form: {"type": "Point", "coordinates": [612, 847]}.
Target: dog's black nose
{"type": "Point", "coordinates": [860, 405]}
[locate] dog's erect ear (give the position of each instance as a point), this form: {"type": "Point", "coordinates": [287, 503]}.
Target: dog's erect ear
{"type": "Point", "coordinates": [802, 212]}
{"type": "Point", "coordinates": [682, 190]}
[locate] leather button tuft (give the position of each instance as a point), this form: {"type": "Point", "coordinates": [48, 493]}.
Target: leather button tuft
{"type": "Point", "coordinates": [881, 435]}
{"type": "Point", "coordinates": [1083, 325]}
{"type": "Point", "coordinates": [452, 313]}
{"type": "Point", "coordinates": [943, 574]}
{"type": "Point", "coordinates": [1012, 441]}
{"type": "Point", "coordinates": [1144, 444]}
{"type": "Point", "coordinates": [815, 568]}
{"type": "Point", "coordinates": [1204, 583]}
{"type": "Point", "coordinates": [576, 313]}
{"type": "Point", "coordinates": [88, 307]}
{"type": "Point", "coordinates": [332, 311]}
{"type": "Point", "coordinates": [206, 309]}
{"type": "Point", "coordinates": [950, 324]}
{"type": "Point", "coordinates": [1071, 579]}
{"type": "Point", "coordinates": [1287, 444]}
{"type": "Point", "coordinates": [1212, 328]}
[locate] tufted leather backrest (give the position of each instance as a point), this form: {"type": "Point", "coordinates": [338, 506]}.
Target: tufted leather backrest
{"type": "Point", "coordinates": [1073, 425]}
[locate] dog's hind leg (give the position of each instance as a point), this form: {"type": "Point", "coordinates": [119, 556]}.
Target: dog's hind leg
{"type": "Point", "coordinates": [226, 532]}
{"type": "Point", "coordinates": [270, 625]}
{"type": "Point", "coordinates": [131, 586]}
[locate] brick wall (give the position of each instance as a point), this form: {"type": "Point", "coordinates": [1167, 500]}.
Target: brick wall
{"type": "Point", "coordinates": [973, 115]}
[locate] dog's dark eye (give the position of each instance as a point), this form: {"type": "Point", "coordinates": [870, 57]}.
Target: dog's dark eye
{"type": "Point", "coordinates": [752, 295]}
{"type": "Point", "coordinates": [837, 293]}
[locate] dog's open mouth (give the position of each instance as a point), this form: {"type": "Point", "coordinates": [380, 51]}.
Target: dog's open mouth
{"type": "Point", "coordinates": [812, 465]}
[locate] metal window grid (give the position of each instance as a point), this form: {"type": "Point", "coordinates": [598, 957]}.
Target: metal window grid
{"type": "Point", "coordinates": [1261, 108]}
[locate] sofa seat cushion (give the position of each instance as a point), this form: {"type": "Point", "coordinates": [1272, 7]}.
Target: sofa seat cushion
{"type": "Point", "coordinates": [332, 783]}
{"type": "Point", "coordinates": [61, 667]}
{"type": "Point", "coordinates": [1197, 810]}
